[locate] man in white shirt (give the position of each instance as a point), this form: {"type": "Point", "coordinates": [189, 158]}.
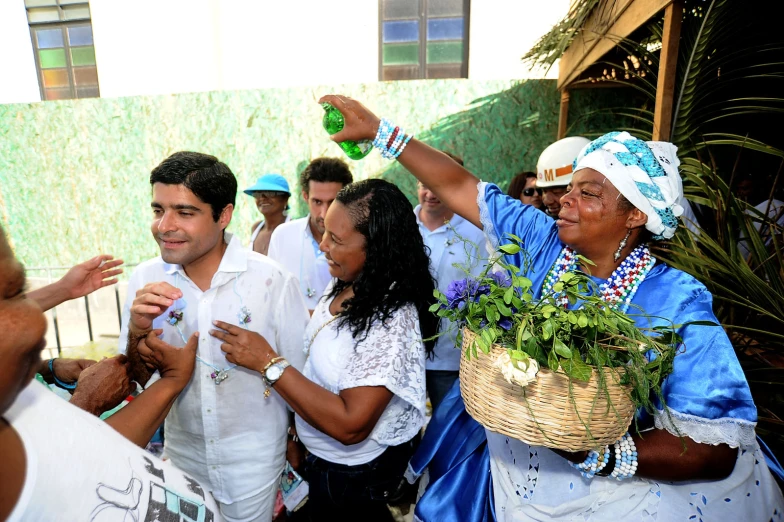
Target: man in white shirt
{"type": "Point", "coordinates": [451, 240]}
{"type": "Point", "coordinates": [295, 245]}
{"type": "Point", "coordinates": [225, 428]}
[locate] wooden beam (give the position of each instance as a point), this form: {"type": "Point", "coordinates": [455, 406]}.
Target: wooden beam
{"type": "Point", "coordinates": [610, 21]}
{"type": "Point", "coordinates": [668, 64]}
{"type": "Point", "coordinates": [563, 115]}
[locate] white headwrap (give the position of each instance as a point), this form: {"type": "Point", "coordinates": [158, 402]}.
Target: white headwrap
{"type": "Point", "coordinates": [646, 173]}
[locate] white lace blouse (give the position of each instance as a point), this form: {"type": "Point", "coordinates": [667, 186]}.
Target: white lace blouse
{"type": "Point", "coordinates": [392, 356]}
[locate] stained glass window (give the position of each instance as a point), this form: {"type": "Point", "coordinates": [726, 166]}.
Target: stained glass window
{"type": "Point", "coordinates": [63, 42]}
{"type": "Point", "coordinates": [423, 39]}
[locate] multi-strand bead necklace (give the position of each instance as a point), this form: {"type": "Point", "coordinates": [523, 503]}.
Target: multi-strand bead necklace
{"type": "Point", "coordinates": [619, 288]}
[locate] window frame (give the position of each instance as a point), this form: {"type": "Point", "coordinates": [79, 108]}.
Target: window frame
{"type": "Point", "coordinates": [422, 42]}
{"type": "Point", "coordinates": [63, 25]}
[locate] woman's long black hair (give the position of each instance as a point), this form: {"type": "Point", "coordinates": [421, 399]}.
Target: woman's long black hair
{"type": "Point", "coordinates": [396, 270]}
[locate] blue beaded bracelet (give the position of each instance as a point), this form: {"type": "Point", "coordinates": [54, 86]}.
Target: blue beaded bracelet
{"type": "Point", "coordinates": [381, 142]}
{"type": "Point", "coordinates": [593, 463]}
{"type": "Point", "coordinates": [625, 458]}
{"type": "Point", "coordinates": [57, 381]}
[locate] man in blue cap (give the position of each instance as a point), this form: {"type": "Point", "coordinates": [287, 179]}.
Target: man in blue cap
{"type": "Point", "coordinates": [271, 193]}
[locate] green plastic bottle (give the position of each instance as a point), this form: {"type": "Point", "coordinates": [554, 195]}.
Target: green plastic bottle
{"type": "Point", "coordinates": [333, 122]}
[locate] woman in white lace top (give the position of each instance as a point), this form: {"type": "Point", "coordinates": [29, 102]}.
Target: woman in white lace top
{"type": "Point", "coordinates": [360, 401]}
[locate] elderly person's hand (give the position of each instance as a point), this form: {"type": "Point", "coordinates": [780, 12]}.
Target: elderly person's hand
{"type": "Point", "coordinates": [103, 385]}
{"type": "Point", "coordinates": [173, 363]}
{"type": "Point", "coordinates": [243, 347]}
{"type": "Point", "coordinates": [360, 123]}
{"type": "Point", "coordinates": [65, 370]}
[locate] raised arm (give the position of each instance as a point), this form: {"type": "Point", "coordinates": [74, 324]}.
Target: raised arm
{"type": "Point", "coordinates": [81, 280]}
{"type": "Point", "coordinates": [453, 184]}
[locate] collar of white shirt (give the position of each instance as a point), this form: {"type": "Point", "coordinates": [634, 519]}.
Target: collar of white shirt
{"type": "Point", "coordinates": [234, 260]}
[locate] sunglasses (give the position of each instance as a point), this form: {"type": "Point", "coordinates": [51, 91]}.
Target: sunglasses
{"type": "Point", "coordinates": [530, 192]}
{"type": "Point", "coordinates": [268, 194]}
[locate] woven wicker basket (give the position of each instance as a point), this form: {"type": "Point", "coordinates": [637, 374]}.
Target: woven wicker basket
{"type": "Point", "coordinates": [543, 413]}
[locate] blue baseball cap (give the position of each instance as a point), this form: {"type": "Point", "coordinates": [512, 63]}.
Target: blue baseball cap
{"type": "Point", "coordinates": [269, 182]}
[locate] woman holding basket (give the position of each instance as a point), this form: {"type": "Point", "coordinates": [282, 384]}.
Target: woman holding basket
{"type": "Point", "coordinates": [624, 194]}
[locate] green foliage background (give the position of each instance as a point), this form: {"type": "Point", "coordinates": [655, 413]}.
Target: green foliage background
{"type": "Point", "coordinates": [74, 174]}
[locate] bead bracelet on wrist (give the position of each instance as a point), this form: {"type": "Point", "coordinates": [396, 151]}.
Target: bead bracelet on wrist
{"type": "Point", "coordinates": [64, 385]}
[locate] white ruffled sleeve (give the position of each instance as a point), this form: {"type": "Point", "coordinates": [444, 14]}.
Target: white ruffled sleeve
{"type": "Point", "coordinates": [392, 356]}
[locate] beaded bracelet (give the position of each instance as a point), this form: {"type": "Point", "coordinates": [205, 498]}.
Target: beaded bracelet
{"type": "Point", "coordinates": [390, 140]}
{"type": "Point", "coordinates": [625, 458]}
{"type": "Point", "coordinates": [385, 130]}
{"type": "Point", "coordinates": [58, 382]}
{"type": "Point", "coordinates": [593, 463]}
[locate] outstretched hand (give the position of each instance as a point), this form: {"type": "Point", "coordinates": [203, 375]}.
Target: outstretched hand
{"type": "Point", "coordinates": [360, 123]}
{"type": "Point", "coordinates": [243, 347]}
{"type": "Point", "coordinates": [85, 278]}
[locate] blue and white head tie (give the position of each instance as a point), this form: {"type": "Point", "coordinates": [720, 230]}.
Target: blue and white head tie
{"type": "Point", "coordinates": [646, 173]}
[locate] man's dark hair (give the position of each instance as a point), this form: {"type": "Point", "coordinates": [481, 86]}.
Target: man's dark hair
{"type": "Point", "coordinates": [325, 170]}
{"type": "Point", "coordinates": [211, 180]}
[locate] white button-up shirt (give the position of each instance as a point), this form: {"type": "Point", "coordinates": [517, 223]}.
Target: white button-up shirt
{"type": "Point", "coordinates": [228, 436]}
{"type": "Point", "coordinates": [293, 246]}
{"type": "Point", "coordinates": [446, 249]}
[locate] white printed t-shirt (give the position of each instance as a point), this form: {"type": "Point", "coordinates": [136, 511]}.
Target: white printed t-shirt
{"type": "Point", "coordinates": [80, 468]}
{"type": "Point", "coordinates": [228, 436]}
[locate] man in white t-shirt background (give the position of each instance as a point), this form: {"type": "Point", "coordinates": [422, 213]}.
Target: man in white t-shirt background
{"type": "Point", "coordinates": [295, 245]}
{"type": "Point", "coordinates": [226, 429]}
{"type": "Point", "coordinates": [452, 241]}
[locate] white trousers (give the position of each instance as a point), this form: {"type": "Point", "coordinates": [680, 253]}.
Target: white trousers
{"type": "Point", "coordinates": [257, 508]}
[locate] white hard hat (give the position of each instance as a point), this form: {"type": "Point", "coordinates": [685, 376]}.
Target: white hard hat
{"type": "Point", "coordinates": [554, 168]}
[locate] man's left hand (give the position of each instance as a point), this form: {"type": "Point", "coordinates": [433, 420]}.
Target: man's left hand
{"type": "Point", "coordinates": [243, 347]}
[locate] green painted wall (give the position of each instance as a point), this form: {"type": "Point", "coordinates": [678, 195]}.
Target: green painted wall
{"type": "Point", "coordinates": [74, 174]}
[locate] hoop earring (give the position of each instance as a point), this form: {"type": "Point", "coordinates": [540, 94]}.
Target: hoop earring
{"type": "Point", "coordinates": [622, 245]}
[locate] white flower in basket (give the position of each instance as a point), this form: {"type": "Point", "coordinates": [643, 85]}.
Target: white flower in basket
{"type": "Point", "coordinates": [520, 372]}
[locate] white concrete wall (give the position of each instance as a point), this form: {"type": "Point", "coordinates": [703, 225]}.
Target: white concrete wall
{"type": "Point", "coordinates": [18, 77]}
{"type": "Point", "coordinates": [174, 46]}
{"type": "Point", "coordinates": [502, 31]}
